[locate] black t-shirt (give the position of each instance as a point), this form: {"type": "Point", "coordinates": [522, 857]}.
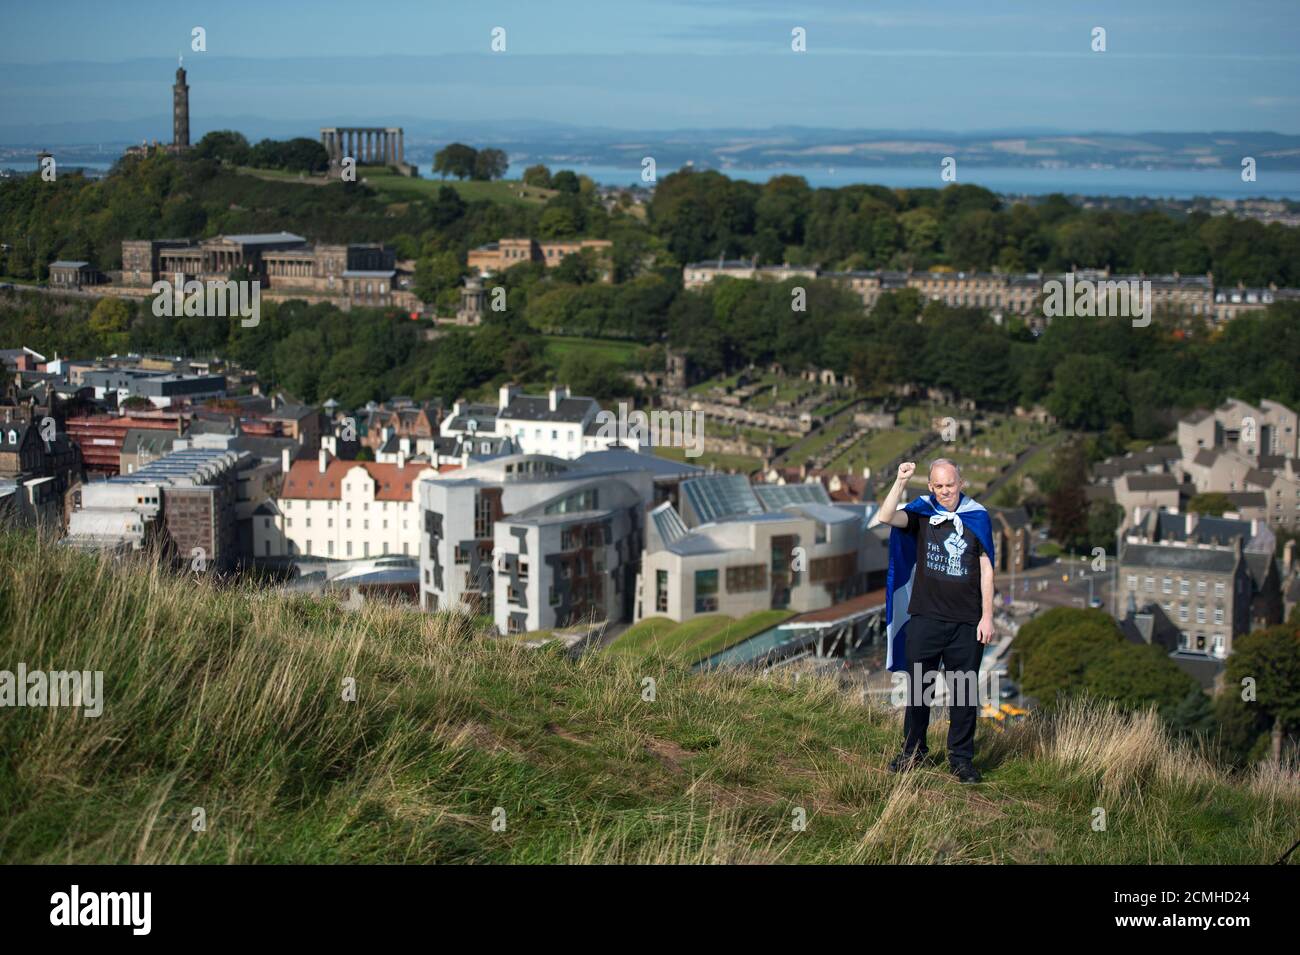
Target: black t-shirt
{"type": "Point", "coordinates": [947, 584]}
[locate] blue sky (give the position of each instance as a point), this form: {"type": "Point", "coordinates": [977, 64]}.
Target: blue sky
{"type": "Point", "coordinates": [956, 65]}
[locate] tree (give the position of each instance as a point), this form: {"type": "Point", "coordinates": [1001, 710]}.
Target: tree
{"type": "Point", "coordinates": [1213, 503]}
{"type": "Point", "coordinates": [490, 164]}
{"type": "Point", "coordinates": [224, 145]}
{"type": "Point", "coordinates": [1087, 392]}
{"type": "Point", "coordinates": [110, 315]}
{"type": "Point", "coordinates": [566, 181]}
{"type": "Point", "coordinates": [537, 176]}
{"type": "Point", "coordinates": [455, 159]}
{"type": "Point", "coordinates": [1264, 668]}
{"type": "Point", "coordinates": [438, 274]}
{"type": "Point", "coordinates": [560, 220]}
{"type": "Point", "coordinates": [1067, 504]}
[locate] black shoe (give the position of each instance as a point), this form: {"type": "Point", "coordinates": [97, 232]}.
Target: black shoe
{"type": "Point", "coordinates": [966, 772]}
{"type": "Point", "coordinates": [906, 761]}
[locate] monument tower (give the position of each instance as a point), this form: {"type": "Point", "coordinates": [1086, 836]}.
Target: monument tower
{"type": "Point", "coordinates": [180, 111]}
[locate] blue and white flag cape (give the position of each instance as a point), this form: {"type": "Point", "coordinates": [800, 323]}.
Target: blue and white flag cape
{"type": "Point", "coordinates": [902, 566]}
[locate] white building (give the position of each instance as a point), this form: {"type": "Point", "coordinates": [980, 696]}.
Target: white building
{"type": "Point", "coordinates": [342, 509]}
{"type": "Point", "coordinates": [556, 424]}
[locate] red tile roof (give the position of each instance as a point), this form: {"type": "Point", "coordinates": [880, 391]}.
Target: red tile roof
{"type": "Point", "coordinates": [392, 483]}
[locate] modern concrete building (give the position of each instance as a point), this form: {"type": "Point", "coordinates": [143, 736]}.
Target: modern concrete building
{"type": "Point", "coordinates": [162, 389]}
{"type": "Point", "coordinates": [535, 540]}
{"type": "Point", "coordinates": [735, 549]}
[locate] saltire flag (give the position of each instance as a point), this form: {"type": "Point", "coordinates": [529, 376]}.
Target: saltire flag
{"type": "Point", "coordinates": [902, 564]}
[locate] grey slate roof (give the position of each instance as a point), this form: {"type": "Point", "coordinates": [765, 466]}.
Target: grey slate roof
{"type": "Point", "coordinates": [153, 440]}
{"type": "Point", "coordinates": [1240, 499]}
{"type": "Point", "coordinates": [1259, 565]}
{"type": "Point", "coordinates": [533, 408]}
{"type": "Point", "coordinates": [1152, 482]}
{"type": "Point", "coordinates": [1262, 478]}
{"type": "Point", "coordinates": [1180, 558]}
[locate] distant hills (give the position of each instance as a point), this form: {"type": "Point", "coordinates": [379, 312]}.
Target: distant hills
{"type": "Point", "coordinates": [722, 148]}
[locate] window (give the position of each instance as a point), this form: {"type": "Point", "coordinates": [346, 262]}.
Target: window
{"type": "Point", "coordinates": [331, 548]}
{"type": "Point", "coordinates": [554, 597]}
{"type": "Point", "coordinates": [1132, 582]}
{"type": "Point", "coordinates": [661, 591]}
{"type": "Point", "coordinates": [349, 548]}
{"type": "Point", "coordinates": [1218, 616]}
{"type": "Point", "coordinates": [1166, 585]}
{"type": "Point", "coordinates": [1182, 613]}
{"type": "Point", "coordinates": [1200, 615]}
{"type": "Point", "coordinates": [746, 578]}
{"type": "Point", "coordinates": [1150, 584]}
{"type": "Point", "coordinates": [1218, 588]}
{"type": "Point", "coordinates": [523, 569]}
{"type": "Point", "coordinates": [1200, 588]}
{"type": "Point", "coordinates": [482, 516]}
{"type": "Point", "coordinates": [1184, 585]}
{"type": "Point", "coordinates": [706, 591]}
{"type": "Point", "coordinates": [309, 523]}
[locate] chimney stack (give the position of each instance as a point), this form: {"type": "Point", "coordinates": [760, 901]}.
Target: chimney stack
{"type": "Point", "coordinates": [401, 459]}
{"type": "Point", "coordinates": [324, 460]}
{"type": "Point", "coordinates": [284, 461]}
{"type": "Point", "coordinates": [1288, 556]}
{"type": "Point", "coordinates": [504, 395]}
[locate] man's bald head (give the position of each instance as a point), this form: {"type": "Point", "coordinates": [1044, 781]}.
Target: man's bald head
{"type": "Point", "coordinates": [942, 463]}
{"type": "Point", "coordinates": [946, 482]}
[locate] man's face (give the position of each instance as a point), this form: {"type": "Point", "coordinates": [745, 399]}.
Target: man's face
{"type": "Point", "coordinates": [944, 485]}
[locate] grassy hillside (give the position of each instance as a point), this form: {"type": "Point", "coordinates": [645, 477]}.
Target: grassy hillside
{"type": "Point", "coordinates": [232, 701]}
{"type": "Point", "coordinates": [509, 191]}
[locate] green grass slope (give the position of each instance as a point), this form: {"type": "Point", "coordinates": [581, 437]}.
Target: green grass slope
{"type": "Point", "coordinates": [232, 701]}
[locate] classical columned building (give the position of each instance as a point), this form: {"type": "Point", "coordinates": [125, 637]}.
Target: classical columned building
{"type": "Point", "coordinates": [372, 145]}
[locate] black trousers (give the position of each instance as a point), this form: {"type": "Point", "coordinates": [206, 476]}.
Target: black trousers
{"type": "Point", "coordinates": [956, 645]}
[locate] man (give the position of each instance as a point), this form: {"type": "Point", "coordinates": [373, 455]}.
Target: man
{"type": "Point", "coordinates": [939, 607]}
